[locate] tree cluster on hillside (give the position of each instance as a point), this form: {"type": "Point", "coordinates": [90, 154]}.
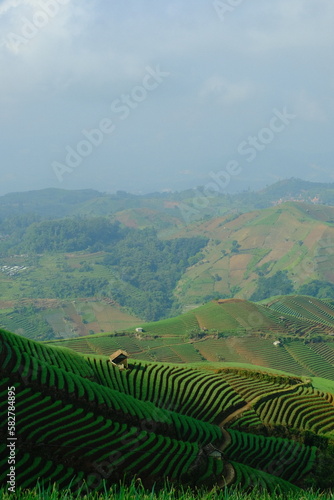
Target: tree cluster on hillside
{"type": "Point", "coordinates": [71, 287]}
{"type": "Point", "coordinates": [278, 284]}
{"type": "Point", "coordinates": [319, 289]}
{"type": "Point", "coordinates": [149, 269]}
{"type": "Point", "coordinates": [30, 234]}
{"type": "Point", "coordinates": [12, 231]}
{"type": "Point", "coordinates": [146, 269]}
{"type": "Point", "coordinates": [70, 235]}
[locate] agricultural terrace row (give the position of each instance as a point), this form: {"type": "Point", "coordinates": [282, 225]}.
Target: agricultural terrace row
{"type": "Point", "coordinates": [298, 357]}
{"type": "Point", "coordinates": [150, 421]}
{"type": "Point", "coordinates": [308, 309]}
{"type": "Point", "coordinates": [84, 423]}
{"type": "Point", "coordinates": [214, 397]}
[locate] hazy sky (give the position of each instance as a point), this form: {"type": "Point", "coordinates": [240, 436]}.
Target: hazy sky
{"type": "Point", "coordinates": [146, 95]}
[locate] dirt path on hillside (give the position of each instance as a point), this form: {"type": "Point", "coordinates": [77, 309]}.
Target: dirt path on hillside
{"type": "Point", "coordinates": [228, 475]}
{"type": "Point", "coordinates": [249, 405]}
{"type": "Point", "coordinates": [235, 414]}
{"type": "Point", "coordinates": [227, 439]}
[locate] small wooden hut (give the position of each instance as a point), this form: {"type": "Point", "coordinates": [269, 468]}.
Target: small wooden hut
{"type": "Point", "coordinates": [120, 359]}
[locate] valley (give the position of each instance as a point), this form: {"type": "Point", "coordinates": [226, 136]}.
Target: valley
{"type": "Point", "coordinates": [116, 260]}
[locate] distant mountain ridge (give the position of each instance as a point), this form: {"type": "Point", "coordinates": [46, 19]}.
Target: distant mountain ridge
{"type": "Point", "coordinates": [54, 202]}
{"type": "Point", "coordinates": [295, 187]}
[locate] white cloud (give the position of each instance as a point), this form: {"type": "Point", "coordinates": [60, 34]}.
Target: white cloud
{"type": "Point", "coordinates": [10, 4]}
{"type": "Point", "coordinates": [309, 109]}
{"type": "Point", "coordinates": [26, 21]}
{"type": "Point", "coordinates": [225, 92]}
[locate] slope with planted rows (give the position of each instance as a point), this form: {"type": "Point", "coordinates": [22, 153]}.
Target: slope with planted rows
{"type": "Point", "coordinates": [80, 419]}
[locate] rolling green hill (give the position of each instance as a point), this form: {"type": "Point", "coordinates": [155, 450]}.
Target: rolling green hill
{"type": "Point", "coordinates": [80, 419]}
{"type": "Point", "coordinates": [283, 249]}
{"type": "Point", "coordinates": [56, 203]}
{"type": "Point", "coordinates": [42, 319]}
{"type": "Point", "coordinates": [233, 331]}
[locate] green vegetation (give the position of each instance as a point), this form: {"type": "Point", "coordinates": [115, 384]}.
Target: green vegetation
{"type": "Point", "coordinates": [55, 203]}
{"type": "Point", "coordinates": [104, 246]}
{"type": "Point", "coordinates": [133, 267]}
{"type": "Point", "coordinates": [70, 235]}
{"type": "Point", "coordinates": [51, 318]}
{"type": "Point", "coordinates": [150, 269]}
{"type": "Point", "coordinates": [296, 248]}
{"type": "Point", "coordinates": [278, 284]}
{"type": "Point", "coordinates": [317, 288]}
{"type": "Point", "coordinates": [136, 491]}
{"type": "Point", "coordinates": [93, 422]}
{"type": "Point", "coordinates": [233, 331]}
{"type": "Point", "coordinates": [81, 420]}
{"type": "Point", "coordinates": [210, 400]}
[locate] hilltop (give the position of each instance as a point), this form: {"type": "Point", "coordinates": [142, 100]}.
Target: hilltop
{"type": "Point", "coordinates": [54, 203]}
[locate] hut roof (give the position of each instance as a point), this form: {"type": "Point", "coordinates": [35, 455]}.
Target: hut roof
{"type": "Point", "coordinates": [118, 356]}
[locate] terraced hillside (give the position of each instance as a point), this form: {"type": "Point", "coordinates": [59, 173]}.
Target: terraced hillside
{"type": "Point", "coordinates": [293, 237]}
{"type": "Point", "coordinates": [52, 318]}
{"type": "Point", "coordinates": [309, 310]}
{"type": "Point", "coordinates": [314, 360]}
{"type": "Point", "coordinates": [237, 316]}
{"type": "Point", "coordinates": [82, 419]}
{"type": "Point", "coordinates": [236, 251]}
{"type": "Point", "coordinates": [233, 331]}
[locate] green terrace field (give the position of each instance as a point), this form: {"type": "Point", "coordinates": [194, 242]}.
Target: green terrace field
{"type": "Point", "coordinates": [232, 331]}
{"type": "Point", "coordinates": [58, 296]}
{"type": "Point", "coordinates": [288, 315]}
{"type": "Point", "coordinates": [294, 357]}
{"type": "Point", "coordinates": [42, 272]}
{"type": "Point", "coordinates": [305, 308]}
{"type": "Point", "coordinates": [80, 420]}
{"type": "Point", "coordinates": [236, 316]}
{"type": "Point", "coordinates": [40, 319]}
